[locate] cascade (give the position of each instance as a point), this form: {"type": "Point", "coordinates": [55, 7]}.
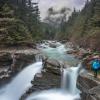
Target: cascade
{"type": "Point", "coordinates": [20, 83]}
{"type": "Point", "coordinates": [68, 90]}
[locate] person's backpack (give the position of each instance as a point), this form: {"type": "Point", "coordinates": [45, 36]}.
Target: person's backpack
{"type": "Point", "coordinates": [96, 65]}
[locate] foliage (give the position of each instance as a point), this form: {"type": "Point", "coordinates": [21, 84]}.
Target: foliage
{"type": "Point", "coordinates": [83, 27]}
{"type": "Point", "coordinates": [19, 21]}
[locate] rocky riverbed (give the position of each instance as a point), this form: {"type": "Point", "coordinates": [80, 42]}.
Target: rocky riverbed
{"type": "Point", "coordinates": [13, 61]}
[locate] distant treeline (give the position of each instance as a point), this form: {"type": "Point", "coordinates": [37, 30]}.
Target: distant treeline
{"type": "Point", "coordinates": [20, 23]}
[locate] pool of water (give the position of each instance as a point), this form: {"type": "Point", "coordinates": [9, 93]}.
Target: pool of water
{"type": "Point", "coordinates": [60, 53]}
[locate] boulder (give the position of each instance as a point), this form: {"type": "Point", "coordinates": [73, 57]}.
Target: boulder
{"type": "Point", "coordinates": [63, 41]}
{"type": "Point", "coordinates": [89, 86]}
{"type": "Point", "coordinates": [71, 51]}
{"type": "Point", "coordinates": [49, 78]}
{"type": "Point", "coordinates": [5, 63]}
{"type": "Point", "coordinates": [95, 92]}
{"type": "Point", "coordinates": [52, 45]}
{"type": "Point", "coordinates": [53, 66]}
{"type": "Point", "coordinates": [5, 59]}
{"type": "Point", "coordinates": [22, 60]}
{"type": "Point", "coordinates": [69, 45]}
{"type": "Point", "coordinates": [47, 81]}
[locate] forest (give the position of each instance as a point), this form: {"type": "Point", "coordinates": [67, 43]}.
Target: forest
{"type": "Point", "coordinates": [49, 49]}
{"type": "Point", "coordinates": [20, 23]}
{"type": "Point", "coordinates": [82, 27]}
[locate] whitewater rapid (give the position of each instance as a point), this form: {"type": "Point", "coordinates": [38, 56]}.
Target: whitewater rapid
{"type": "Point", "coordinates": [53, 95]}
{"type": "Point", "coordinates": [19, 85]}
{"type": "Point", "coordinates": [22, 82]}
{"type": "Point", "coordinates": [68, 90]}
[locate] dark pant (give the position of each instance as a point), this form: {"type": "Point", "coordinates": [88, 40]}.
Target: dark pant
{"type": "Point", "coordinates": [95, 72]}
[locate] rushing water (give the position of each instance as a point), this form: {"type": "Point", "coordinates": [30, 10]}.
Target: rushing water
{"type": "Point", "coordinates": [69, 79]}
{"type": "Point", "coordinates": [59, 53]}
{"type": "Point", "coordinates": [53, 95]}
{"type": "Point", "coordinates": [20, 83]}
{"type": "Point", "coordinates": [68, 90]}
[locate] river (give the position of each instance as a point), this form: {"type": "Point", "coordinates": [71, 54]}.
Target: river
{"type": "Point", "coordinates": [68, 90]}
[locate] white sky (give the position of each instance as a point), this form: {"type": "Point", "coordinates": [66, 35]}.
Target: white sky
{"type": "Point", "coordinates": [57, 4]}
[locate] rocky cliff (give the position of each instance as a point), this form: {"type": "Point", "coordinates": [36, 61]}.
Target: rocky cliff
{"type": "Point", "coordinates": [49, 78]}
{"type": "Point", "coordinates": [89, 86]}
{"type": "Point", "coordinates": [13, 61]}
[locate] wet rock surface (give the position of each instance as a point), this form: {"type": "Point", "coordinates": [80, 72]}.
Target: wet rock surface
{"type": "Point", "coordinates": [5, 59]}
{"type": "Point", "coordinates": [46, 81]}
{"type": "Point", "coordinates": [53, 66]}
{"type": "Point", "coordinates": [89, 86]}
{"type": "Point", "coordinates": [52, 45]}
{"type": "Point", "coordinates": [13, 61]}
{"type": "Point", "coordinates": [5, 63]}
{"type": "Point", "coordinates": [43, 81]}
{"type": "Point", "coordinates": [49, 78]}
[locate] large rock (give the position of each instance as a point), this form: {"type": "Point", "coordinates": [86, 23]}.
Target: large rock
{"type": "Point", "coordinates": [53, 66]}
{"type": "Point", "coordinates": [53, 45]}
{"type": "Point", "coordinates": [89, 86]}
{"type": "Point", "coordinates": [49, 78]}
{"type": "Point", "coordinates": [46, 81]}
{"type": "Point", "coordinates": [22, 60]}
{"type": "Point", "coordinates": [5, 59]}
{"type": "Point", "coordinates": [95, 92]}
{"type": "Point", "coordinates": [72, 52]}
{"type": "Point", "coordinates": [43, 81]}
{"type": "Point", "coordinates": [5, 63]}
{"type": "Point", "coordinates": [69, 45]}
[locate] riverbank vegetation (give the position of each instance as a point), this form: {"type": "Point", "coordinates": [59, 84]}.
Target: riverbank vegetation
{"type": "Point", "coordinates": [82, 27]}
{"type": "Point", "coordinates": [20, 24]}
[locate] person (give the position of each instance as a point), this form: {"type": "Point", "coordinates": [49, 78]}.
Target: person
{"type": "Point", "coordinates": [86, 61]}
{"type": "Point", "coordinates": [96, 65]}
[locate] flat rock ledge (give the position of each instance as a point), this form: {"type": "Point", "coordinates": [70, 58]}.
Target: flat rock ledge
{"type": "Point", "coordinates": [13, 61]}
{"type": "Point", "coordinates": [89, 86]}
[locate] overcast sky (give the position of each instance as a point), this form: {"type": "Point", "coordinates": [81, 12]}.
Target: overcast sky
{"type": "Point", "coordinates": [57, 4]}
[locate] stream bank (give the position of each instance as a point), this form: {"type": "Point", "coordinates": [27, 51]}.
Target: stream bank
{"type": "Point", "coordinates": [13, 61]}
{"type": "Point", "coordinates": [89, 86]}
{"type": "Point", "coordinates": [50, 77]}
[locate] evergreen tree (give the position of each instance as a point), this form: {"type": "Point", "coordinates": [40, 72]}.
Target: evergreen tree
{"type": "Point", "coordinates": [12, 30]}
{"type": "Point", "coordinates": [19, 21]}
{"type": "Point", "coordinates": [85, 25]}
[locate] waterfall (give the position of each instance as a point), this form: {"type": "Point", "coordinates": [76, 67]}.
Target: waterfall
{"type": "Point", "coordinates": [20, 83]}
{"type": "Point", "coordinates": [38, 57]}
{"type": "Point", "coordinates": [69, 79]}
{"type": "Point", "coordinates": [68, 89]}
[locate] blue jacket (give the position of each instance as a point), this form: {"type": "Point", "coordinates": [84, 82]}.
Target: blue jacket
{"type": "Point", "coordinates": [96, 64]}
